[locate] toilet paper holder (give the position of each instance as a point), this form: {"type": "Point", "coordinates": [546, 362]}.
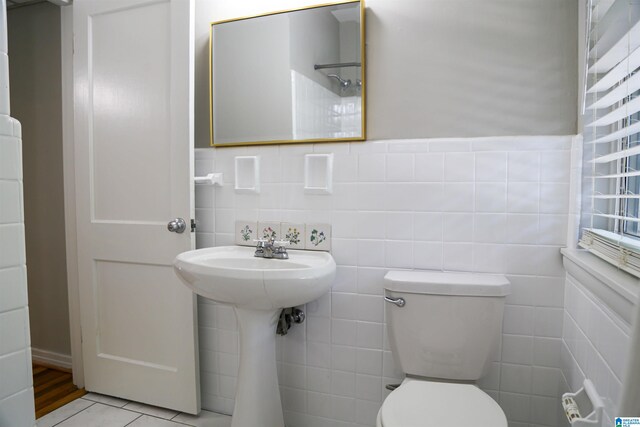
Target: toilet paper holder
{"type": "Point", "coordinates": [210, 179]}
{"type": "Point", "coordinates": [584, 401]}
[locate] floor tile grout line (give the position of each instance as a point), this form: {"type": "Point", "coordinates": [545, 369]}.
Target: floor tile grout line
{"type": "Point", "coordinates": [151, 415]}
{"type": "Point", "coordinates": [171, 419]}
{"type": "Point", "coordinates": [140, 413]}
{"type": "Point", "coordinates": [108, 404]}
{"type": "Point", "coordinates": [93, 402]}
{"type": "Point", "coordinates": [129, 410]}
{"type": "Point", "coordinates": [190, 425]}
{"type": "Point", "coordinates": [116, 407]}
{"type": "Point", "coordinates": [138, 417]}
{"type": "Point", "coordinates": [70, 416]}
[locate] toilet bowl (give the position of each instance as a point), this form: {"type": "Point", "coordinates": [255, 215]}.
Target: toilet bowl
{"type": "Point", "coordinates": [421, 403]}
{"type": "Point", "coordinates": [443, 331]}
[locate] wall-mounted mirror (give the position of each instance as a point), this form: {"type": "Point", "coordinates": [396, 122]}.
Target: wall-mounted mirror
{"type": "Point", "coordinates": [289, 77]}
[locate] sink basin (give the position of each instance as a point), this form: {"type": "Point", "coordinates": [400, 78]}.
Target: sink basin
{"type": "Point", "coordinates": [232, 275]}
{"type": "Point", "coordinates": [257, 288]}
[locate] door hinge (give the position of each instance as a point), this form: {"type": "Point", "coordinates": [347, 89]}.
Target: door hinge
{"type": "Point", "coordinates": [193, 225]}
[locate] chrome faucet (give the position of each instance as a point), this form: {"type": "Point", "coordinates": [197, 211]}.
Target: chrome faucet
{"type": "Point", "coordinates": [271, 248]}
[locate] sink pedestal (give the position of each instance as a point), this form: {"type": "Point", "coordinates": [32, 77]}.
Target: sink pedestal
{"type": "Point", "coordinates": [258, 395]}
{"type": "Point", "coordinates": [254, 286]}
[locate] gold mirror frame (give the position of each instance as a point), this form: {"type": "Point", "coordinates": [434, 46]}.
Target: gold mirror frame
{"type": "Point", "coordinates": [295, 141]}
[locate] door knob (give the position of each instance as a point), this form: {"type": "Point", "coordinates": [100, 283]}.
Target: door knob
{"type": "Point", "coordinates": [178, 225]}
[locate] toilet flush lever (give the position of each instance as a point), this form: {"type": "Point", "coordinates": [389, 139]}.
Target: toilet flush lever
{"type": "Point", "coordinates": [400, 302]}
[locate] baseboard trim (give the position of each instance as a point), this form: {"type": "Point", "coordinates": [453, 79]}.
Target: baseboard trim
{"type": "Point", "coordinates": [50, 358]}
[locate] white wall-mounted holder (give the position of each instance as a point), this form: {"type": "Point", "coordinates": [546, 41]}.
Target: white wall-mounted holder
{"type": "Point", "coordinates": [584, 401]}
{"type": "Point", "coordinates": [247, 174]}
{"type": "Point", "coordinates": [318, 173]}
{"type": "Point", "coordinates": [210, 179]}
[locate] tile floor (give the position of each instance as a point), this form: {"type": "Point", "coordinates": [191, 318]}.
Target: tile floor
{"type": "Point", "coordinates": [97, 410]}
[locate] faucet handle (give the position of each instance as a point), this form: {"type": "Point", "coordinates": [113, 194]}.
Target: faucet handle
{"type": "Point", "coordinates": [260, 243]}
{"type": "Point", "coordinates": [281, 243]}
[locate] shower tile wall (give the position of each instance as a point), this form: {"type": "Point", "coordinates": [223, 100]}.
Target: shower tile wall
{"type": "Point", "coordinates": [313, 103]}
{"type": "Point", "coordinates": [495, 205]}
{"type": "Point", "coordinates": [16, 390]}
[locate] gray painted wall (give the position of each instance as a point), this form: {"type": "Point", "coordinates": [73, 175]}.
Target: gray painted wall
{"type": "Point", "coordinates": [447, 68]}
{"type": "Point", "coordinates": [36, 100]}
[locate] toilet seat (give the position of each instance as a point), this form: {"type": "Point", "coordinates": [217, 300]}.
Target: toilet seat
{"type": "Point", "coordinates": [419, 403]}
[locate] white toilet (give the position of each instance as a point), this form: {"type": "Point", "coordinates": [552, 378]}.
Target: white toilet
{"type": "Point", "coordinates": [443, 329]}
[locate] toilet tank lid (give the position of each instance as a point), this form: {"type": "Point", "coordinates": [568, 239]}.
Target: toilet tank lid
{"type": "Point", "coordinates": [447, 283]}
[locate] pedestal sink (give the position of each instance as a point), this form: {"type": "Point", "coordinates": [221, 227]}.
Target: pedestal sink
{"type": "Point", "coordinates": [257, 288]}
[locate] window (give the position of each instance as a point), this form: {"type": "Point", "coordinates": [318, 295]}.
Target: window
{"type": "Point", "coordinates": [632, 183]}
{"type": "Point", "coordinates": [611, 172]}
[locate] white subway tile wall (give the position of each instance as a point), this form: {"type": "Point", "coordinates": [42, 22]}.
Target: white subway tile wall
{"type": "Point", "coordinates": [312, 103]}
{"type": "Point", "coordinates": [16, 384]}
{"type": "Point", "coordinates": [595, 344]}
{"type": "Point", "coordinates": [495, 205]}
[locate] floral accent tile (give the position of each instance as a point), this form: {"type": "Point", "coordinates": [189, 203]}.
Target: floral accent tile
{"type": "Point", "coordinates": [318, 237]}
{"type": "Point", "coordinates": [246, 232]}
{"type": "Point", "coordinates": [269, 230]}
{"type": "Point", "coordinates": [294, 233]}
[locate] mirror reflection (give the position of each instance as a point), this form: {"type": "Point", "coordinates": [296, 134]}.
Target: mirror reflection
{"type": "Point", "coordinates": [288, 77]}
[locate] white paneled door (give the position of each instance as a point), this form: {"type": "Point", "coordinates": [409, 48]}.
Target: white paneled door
{"type": "Point", "coordinates": [133, 131]}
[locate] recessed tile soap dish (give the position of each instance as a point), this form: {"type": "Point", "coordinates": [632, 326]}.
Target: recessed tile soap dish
{"type": "Point", "coordinates": [318, 173]}
{"type": "Point", "coordinates": [584, 401]}
{"type": "Point", "coordinates": [247, 174]}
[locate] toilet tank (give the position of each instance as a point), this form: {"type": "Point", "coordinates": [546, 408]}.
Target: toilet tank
{"type": "Point", "coordinates": [450, 324]}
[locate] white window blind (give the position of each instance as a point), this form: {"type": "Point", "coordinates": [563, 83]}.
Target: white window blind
{"type": "Point", "coordinates": [611, 178]}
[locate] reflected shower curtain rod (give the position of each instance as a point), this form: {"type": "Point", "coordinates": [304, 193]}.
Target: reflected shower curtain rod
{"type": "Point", "coordinates": [337, 65]}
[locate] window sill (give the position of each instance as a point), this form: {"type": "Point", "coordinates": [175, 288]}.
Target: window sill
{"type": "Point", "coordinates": [621, 289]}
